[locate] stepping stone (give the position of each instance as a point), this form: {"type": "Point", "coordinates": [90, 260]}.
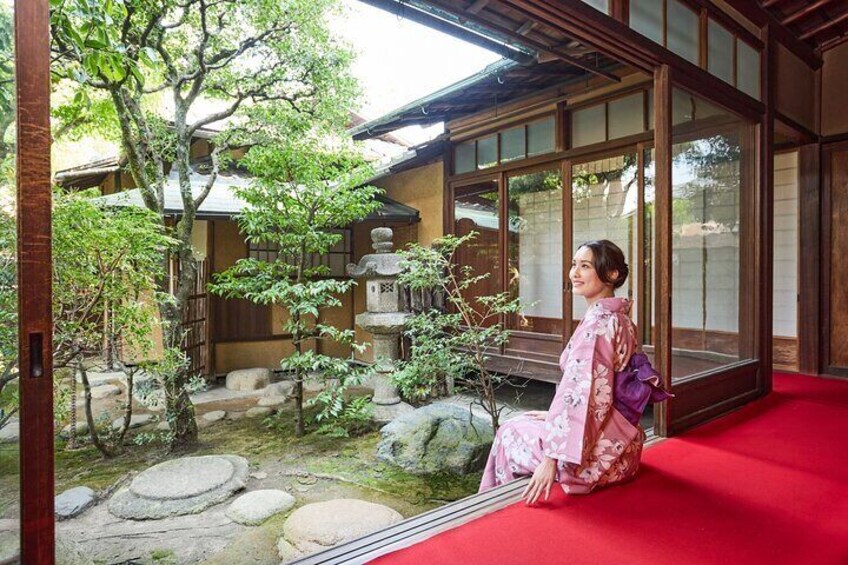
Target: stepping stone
{"type": "Point", "coordinates": [282, 388]}
{"type": "Point", "coordinates": [248, 379]}
{"type": "Point", "coordinates": [253, 508]}
{"type": "Point", "coordinates": [214, 416]}
{"type": "Point", "coordinates": [187, 485]}
{"type": "Point", "coordinates": [235, 415]}
{"type": "Point", "coordinates": [317, 526]}
{"type": "Point", "coordinates": [259, 412]}
{"type": "Point", "coordinates": [82, 429]}
{"type": "Point", "coordinates": [105, 391]}
{"type": "Point", "coordinates": [11, 431]}
{"type": "Point", "coordinates": [136, 421]}
{"type": "Point", "coordinates": [272, 401]}
{"type": "Point", "coordinates": [163, 427]}
{"type": "Point", "coordinates": [73, 502]}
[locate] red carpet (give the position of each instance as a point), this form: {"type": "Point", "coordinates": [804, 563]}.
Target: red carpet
{"type": "Point", "coordinates": [766, 484]}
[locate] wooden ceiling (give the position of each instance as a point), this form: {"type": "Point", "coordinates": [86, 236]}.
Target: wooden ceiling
{"type": "Point", "coordinates": [820, 23]}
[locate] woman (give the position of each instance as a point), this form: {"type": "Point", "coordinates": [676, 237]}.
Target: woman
{"type": "Point", "coordinates": [582, 441]}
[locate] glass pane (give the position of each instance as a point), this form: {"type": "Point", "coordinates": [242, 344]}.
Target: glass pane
{"type": "Point", "coordinates": [647, 293]}
{"type": "Point", "coordinates": [9, 427]}
{"type": "Point", "coordinates": [713, 171]}
{"type": "Point", "coordinates": [785, 318]}
{"type": "Point", "coordinates": [464, 157]}
{"type": "Point", "coordinates": [646, 17]}
{"type": "Point", "coordinates": [688, 108]}
{"type": "Point", "coordinates": [535, 250]}
{"type": "Point", "coordinates": [588, 126]}
{"type": "Point", "coordinates": [476, 209]}
{"type": "Point", "coordinates": [605, 205]}
{"type": "Point", "coordinates": [513, 144]}
{"type": "Point", "coordinates": [748, 69]}
{"type": "Point", "coordinates": [602, 5]}
{"type": "Point", "coordinates": [487, 151]}
{"type": "Point", "coordinates": [683, 30]}
{"type": "Point", "coordinates": [541, 137]}
{"type": "Point", "coordinates": [720, 54]}
{"type": "Point", "coordinates": [627, 116]}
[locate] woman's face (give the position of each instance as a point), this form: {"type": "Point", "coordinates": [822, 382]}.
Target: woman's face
{"type": "Point", "coordinates": [585, 281]}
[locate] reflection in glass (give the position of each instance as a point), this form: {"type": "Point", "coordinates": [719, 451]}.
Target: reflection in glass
{"type": "Point", "coordinates": [712, 169]}
{"type": "Point", "coordinates": [605, 206]}
{"type": "Point", "coordinates": [535, 250]}
{"type": "Point", "coordinates": [9, 463]}
{"type": "Point", "coordinates": [476, 209]}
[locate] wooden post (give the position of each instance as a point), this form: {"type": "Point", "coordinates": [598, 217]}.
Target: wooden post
{"type": "Point", "coordinates": [662, 246]}
{"type": "Point", "coordinates": [765, 249]}
{"type": "Point", "coordinates": [35, 325]}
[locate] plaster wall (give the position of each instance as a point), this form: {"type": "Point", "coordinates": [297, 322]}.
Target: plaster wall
{"type": "Point", "coordinates": [796, 89]}
{"type": "Point", "coordinates": [834, 118]}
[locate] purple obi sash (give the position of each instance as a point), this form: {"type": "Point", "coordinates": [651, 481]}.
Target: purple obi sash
{"type": "Point", "coordinates": [635, 386]}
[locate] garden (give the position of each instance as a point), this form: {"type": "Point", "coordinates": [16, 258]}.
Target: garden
{"type": "Point", "coordinates": [156, 462]}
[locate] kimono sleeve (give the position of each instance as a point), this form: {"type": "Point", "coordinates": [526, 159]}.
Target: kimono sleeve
{"type": "Point", "coordinates": [584, 395]}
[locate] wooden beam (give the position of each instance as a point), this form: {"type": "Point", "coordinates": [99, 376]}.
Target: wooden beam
{"type": "Point", "coordinates": [825, 26]}
{"type": "Point", "coordinates": [477, 6]}
{"type": "Point", "coordinates": [809, 9]}
{"type": "Point", "coordinates": [764, 245]}
{"type": "Point", "coordinates": [450, 7]}
{"type": "Point", "coordinates": [35, 322]}
{"type": "Point", "coordinates": [662, 245]}
{"type": "Point", "coordinates": [526, 27]}
{"type": "Point", "coordinates": [810, 261]}
{"type": "Point", "coordinates": [760, 17]}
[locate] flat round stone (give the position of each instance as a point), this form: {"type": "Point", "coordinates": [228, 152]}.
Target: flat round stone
{"type": "Point", "coordinates": [183, 478]}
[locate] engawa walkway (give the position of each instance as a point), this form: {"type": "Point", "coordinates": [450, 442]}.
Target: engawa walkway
{"type": "Point", "coordinates": [767, 484]}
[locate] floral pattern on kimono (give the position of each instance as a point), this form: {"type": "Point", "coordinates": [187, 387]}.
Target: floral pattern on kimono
{"type": "Point", "coordinates": [591, 441]}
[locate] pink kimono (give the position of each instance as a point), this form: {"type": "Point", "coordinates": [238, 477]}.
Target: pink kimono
{"type": "Point", "coordinates": [594, 445]}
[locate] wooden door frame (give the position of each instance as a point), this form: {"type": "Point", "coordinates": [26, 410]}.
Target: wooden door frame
{"type": "Point", "coordinates": [826, 255]}
{"type": "Point", "coordinates": [35, 323]}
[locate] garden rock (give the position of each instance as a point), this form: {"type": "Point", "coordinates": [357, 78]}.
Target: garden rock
{"type": "Point", "coordinates": [438, 437]}
{"type": "Point", "coordinates": [214, 416]}
{"type": "Point", "coordinates": [73, 502]}
{"type": "Point", "coordinates": [272, 401]}
{"type": "Point", "coordinates": [253, 508]}
{"type": "Point", "coordinates": [317, 526]}
{"type": "Point", "coordinates": [136, 421]}
{"type": "Point", "coordinates": [105, 391]}
{"type": "Point", "coordinates": [282, 388]}
{"type": "Point", "coordinates": [82, 429]}
{"type": "Point", "coordinates": [259, 412]}
{"type": "Point", "coordinates": [180, 486]}
{"type": "Point", "coordinates": [163, 427]}
{"type": "Point", "coordinates": [11, 431]}
{"type": "Point", "coordinates": [249, 379]}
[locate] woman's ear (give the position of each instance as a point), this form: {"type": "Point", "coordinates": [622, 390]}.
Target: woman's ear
{"type": "Point", "coordinates": [612, 277]}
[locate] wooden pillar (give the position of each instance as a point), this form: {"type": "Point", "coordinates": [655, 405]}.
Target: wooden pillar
{"type": "Point", "coordinates": [765, 227]}
{"type": "Point", "coordinates": [35, 326]}
{"type": "Point", "coordinates": [810, 260]}
{"type": "Point", "coordinates": [662, 246]}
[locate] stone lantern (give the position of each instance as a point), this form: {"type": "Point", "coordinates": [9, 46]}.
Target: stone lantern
{"type": "Point", "coordinates": [384, 318]}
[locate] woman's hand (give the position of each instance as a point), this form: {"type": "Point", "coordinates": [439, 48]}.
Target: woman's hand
{"type": "Point", "coordinates": [543, 477]}
{"type": "Point", "coordinates": [536, 414]}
